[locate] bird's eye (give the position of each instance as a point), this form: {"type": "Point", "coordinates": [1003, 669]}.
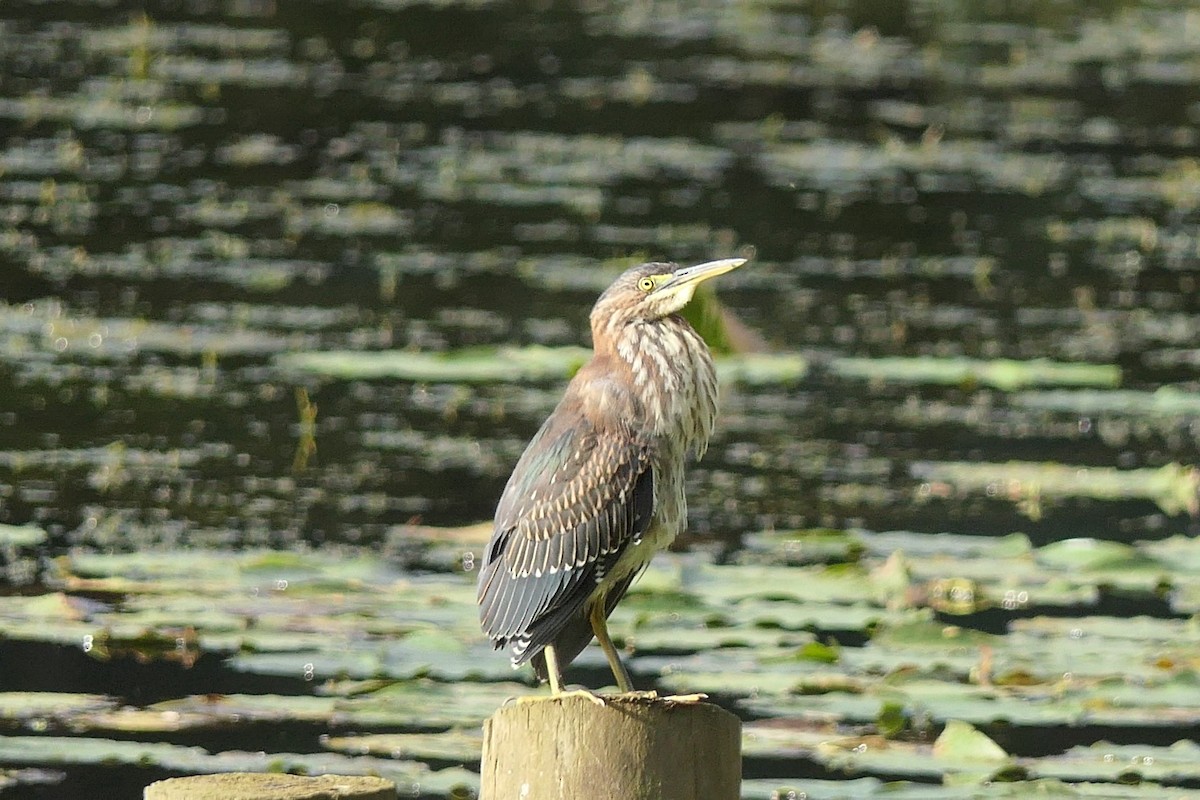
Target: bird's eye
{"type": "Point", "coordinates": [646, 284]}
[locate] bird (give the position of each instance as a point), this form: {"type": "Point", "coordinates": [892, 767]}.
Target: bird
{"type": "Point", "coordinates": [599, 488]}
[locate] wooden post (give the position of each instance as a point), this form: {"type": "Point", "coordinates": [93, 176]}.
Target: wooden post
{"type": "Point", "coordinates": [271, 786]}
{"type": "Point", "coordinates": [629, 747]}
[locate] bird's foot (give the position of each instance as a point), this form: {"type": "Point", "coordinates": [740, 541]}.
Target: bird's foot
{"type": "Point", "coordinates": [684, 698]}
{"type": "Point", "coordinates": [602, 699]}
{"type": "Point", "coordinates": [654, 697]}
{"type": "Point", "coordinates": [538, 698]}
{"type": "Point", "coordinates": [584, 693]}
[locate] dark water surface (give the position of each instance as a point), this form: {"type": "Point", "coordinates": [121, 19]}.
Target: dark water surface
{"type": "Point", "coordinates": [192, 189]}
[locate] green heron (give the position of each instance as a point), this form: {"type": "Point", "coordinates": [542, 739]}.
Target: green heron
{"type": "Point", "coordinates": [599, 488]}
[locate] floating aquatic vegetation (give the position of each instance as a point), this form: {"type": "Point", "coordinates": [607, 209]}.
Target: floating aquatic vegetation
{"type": "Point", "coordinates": [1004, 374]}
{"type": "Point", "coordinates": [460, 746]}
{"type": "Point", "coordinates": [870, 788]}
{"type": "Point", "coordinates": [484, 365]}
{"type": "Point", "coordinates": [960, 754]}
{"type": "Point", "coordinates": [256, 315]}
{"type": "Point", "coordinates": [1164, 403]}
{"type": "Point", "coordinates": [50, 708]}
{"type": "Point", "coordinates": [1141, 231]}
{"type": "Point", "coordinates": [63, 206]}
{"type": "Point", "coordinates": [1043, 671]}
{"type": "Point", "coordinates": [257, 73]}
{"type": "Point", "coordinates": [439, 453]}
{"type": "Point", "coordinates": [55, 617]}
{"type": "Point", "coordinates": [291, 615]}
{"type": "Point", "coordinates": [257, 150]}
{"type": "Point", "coordinates": [352, 219]}
{"type": "Point", "coordinates": [1128, 764]}
{"type": "Point", "coordinates": [178, 382]}
{"type": "Point", "coordinates": [47, 329]}
{"type": "Point", "coordinates": [88, 111]}
{"type": "Point", "coordinates": [740, 628]}
{"type": "Point", "coordinates": [845, 166]}
{"type": "Point", "coordinates": [409, 776]}
{"type": "Point", "coordinates": [113, 465]}
{"type": "Point", "coordinates": [449, 268]}
{"type": "Point", "coordinates": [936, 701]}
{"type": "Point", "coordinates": [506, 364]}
{"type": "Point", "coordinates": [438, 549]}
{"type": "Point", "coordinates": [20, 537]}
{"type": "Point", "coordinates": [422, 704]}
{"type": "Point", "coordinates": [443, 656]}
{"type": "Point", "coordinates": [819, 546]}
{"type": "Point", "coordinates": [41, 157]}
{"type": "Point", "coordinates": [219, 182]}
{"type": "Point", "coordinates": [161, 36]}
{"type": "Point", "coordinates": [1173, 488]}
{"type": "Point", "coordinates": [530, 170]}
{"type": "Point", "coordinates": [219, 212]}
{"type": "Point", "coordinates": [964, 267]}
{"type": "Point", "coordinates": [1175, 187]}
{"type": "Point", "coordinates": [1131, 769]}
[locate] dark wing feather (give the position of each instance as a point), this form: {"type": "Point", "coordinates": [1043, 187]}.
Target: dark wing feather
{"type": "Point", "coordinates": [577, 497]}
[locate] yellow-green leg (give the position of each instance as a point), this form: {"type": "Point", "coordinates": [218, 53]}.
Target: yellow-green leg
{"type": "Point", "coordinates": [600, 628]}
{"type": "Point", "coordinates": [552, 670]}
{"type": "Point", "coordinates": [554, 673]}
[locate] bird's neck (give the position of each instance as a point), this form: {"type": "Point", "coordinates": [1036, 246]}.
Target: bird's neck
{"type": "Point", "coordinates": [672, 376]}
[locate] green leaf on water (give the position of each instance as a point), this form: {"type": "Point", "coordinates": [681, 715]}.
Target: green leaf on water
{"type": "Point", "coordinates": [762, 369]}
{"type": "Point", "coordinates": [1174, 488]}
{"type": "Point", "coordinates": [961, 741]}
{"type": "Point", "coordinates": [1165, 402]}
{"type": "Point", "coordinates": [1176, 763]}
{"type": "Point", "coordinates": [482, 365]}
{"type": "Point", "coordinates": [513, 365]}
{"type": "Point", "coordinates": [63, 706]}
{"type": "Point", "coordinates": [1003, 374]}
{"type": "Point", "coordinates": [928, 633]}
{"type": "Point", "coordinates": [892, 719]}
{"type": "Point", "coordinates": [411, 777]}
{"type": "Point", "coordinates": [458, 745]}
{"type": "Point", "coordinates": [819, 652]}
{"type": "Point", "coordinates": [21, 536]}
{"type": "Point", "coordinates": [1094, 555]}
{"type": "Point", "coordinates": [795, 547]}
{"type": "Point", "coordinates": [875, 789]}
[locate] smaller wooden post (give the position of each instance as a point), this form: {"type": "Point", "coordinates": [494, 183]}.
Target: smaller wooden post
{"type": "Point", "coordinates": [629, 748]}
{"type": "Point", "coordinates": [271, 786]}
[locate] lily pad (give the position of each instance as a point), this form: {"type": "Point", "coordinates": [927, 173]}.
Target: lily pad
{"type": "Point", "coordinates": [461, 746]}
{"type": "Point", "coordinates": [511, 364]}
{"type": "Point", "coordinates": [59, 751]}
{"type": "Point", "coordinates": [1174, 488]}
{"type": "Point", "coordinates": [960, 741]}
{"type": "Point", "coordinates": [472, 366]}
{"type": "Point", "coordinates": [21, 537]}
{"type": "Point", "coordinates": [1003, 374]}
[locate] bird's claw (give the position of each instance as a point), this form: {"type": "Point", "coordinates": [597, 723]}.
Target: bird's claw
{"type": "Point", "coordinates": [685, 698]}
{"type": "Point", "coordinates": [603, 699]}
{"type": "Point", "coordinates": [538, 698]}
{"type": "Point", "coordinates": [584, 693]}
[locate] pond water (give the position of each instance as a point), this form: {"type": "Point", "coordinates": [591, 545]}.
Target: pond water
{"type": "Point", "coordinates": [286, 285]}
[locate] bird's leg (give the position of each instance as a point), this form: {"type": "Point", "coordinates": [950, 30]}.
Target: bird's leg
{"type": "Point", "coordinates": [600, 627]}
{"type": "Point", "coordinates": [552, 670]}
{"type": "Point", "coordinates": [554, 674]}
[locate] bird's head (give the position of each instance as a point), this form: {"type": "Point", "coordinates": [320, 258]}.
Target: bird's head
{"type": "Point", "coordinates": [652, 291]}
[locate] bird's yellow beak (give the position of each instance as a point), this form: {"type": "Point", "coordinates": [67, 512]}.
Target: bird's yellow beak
{"type": "Point", "coordinates": [683, 281]}
{"type": "Point", "coordinates": [702, 272]}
